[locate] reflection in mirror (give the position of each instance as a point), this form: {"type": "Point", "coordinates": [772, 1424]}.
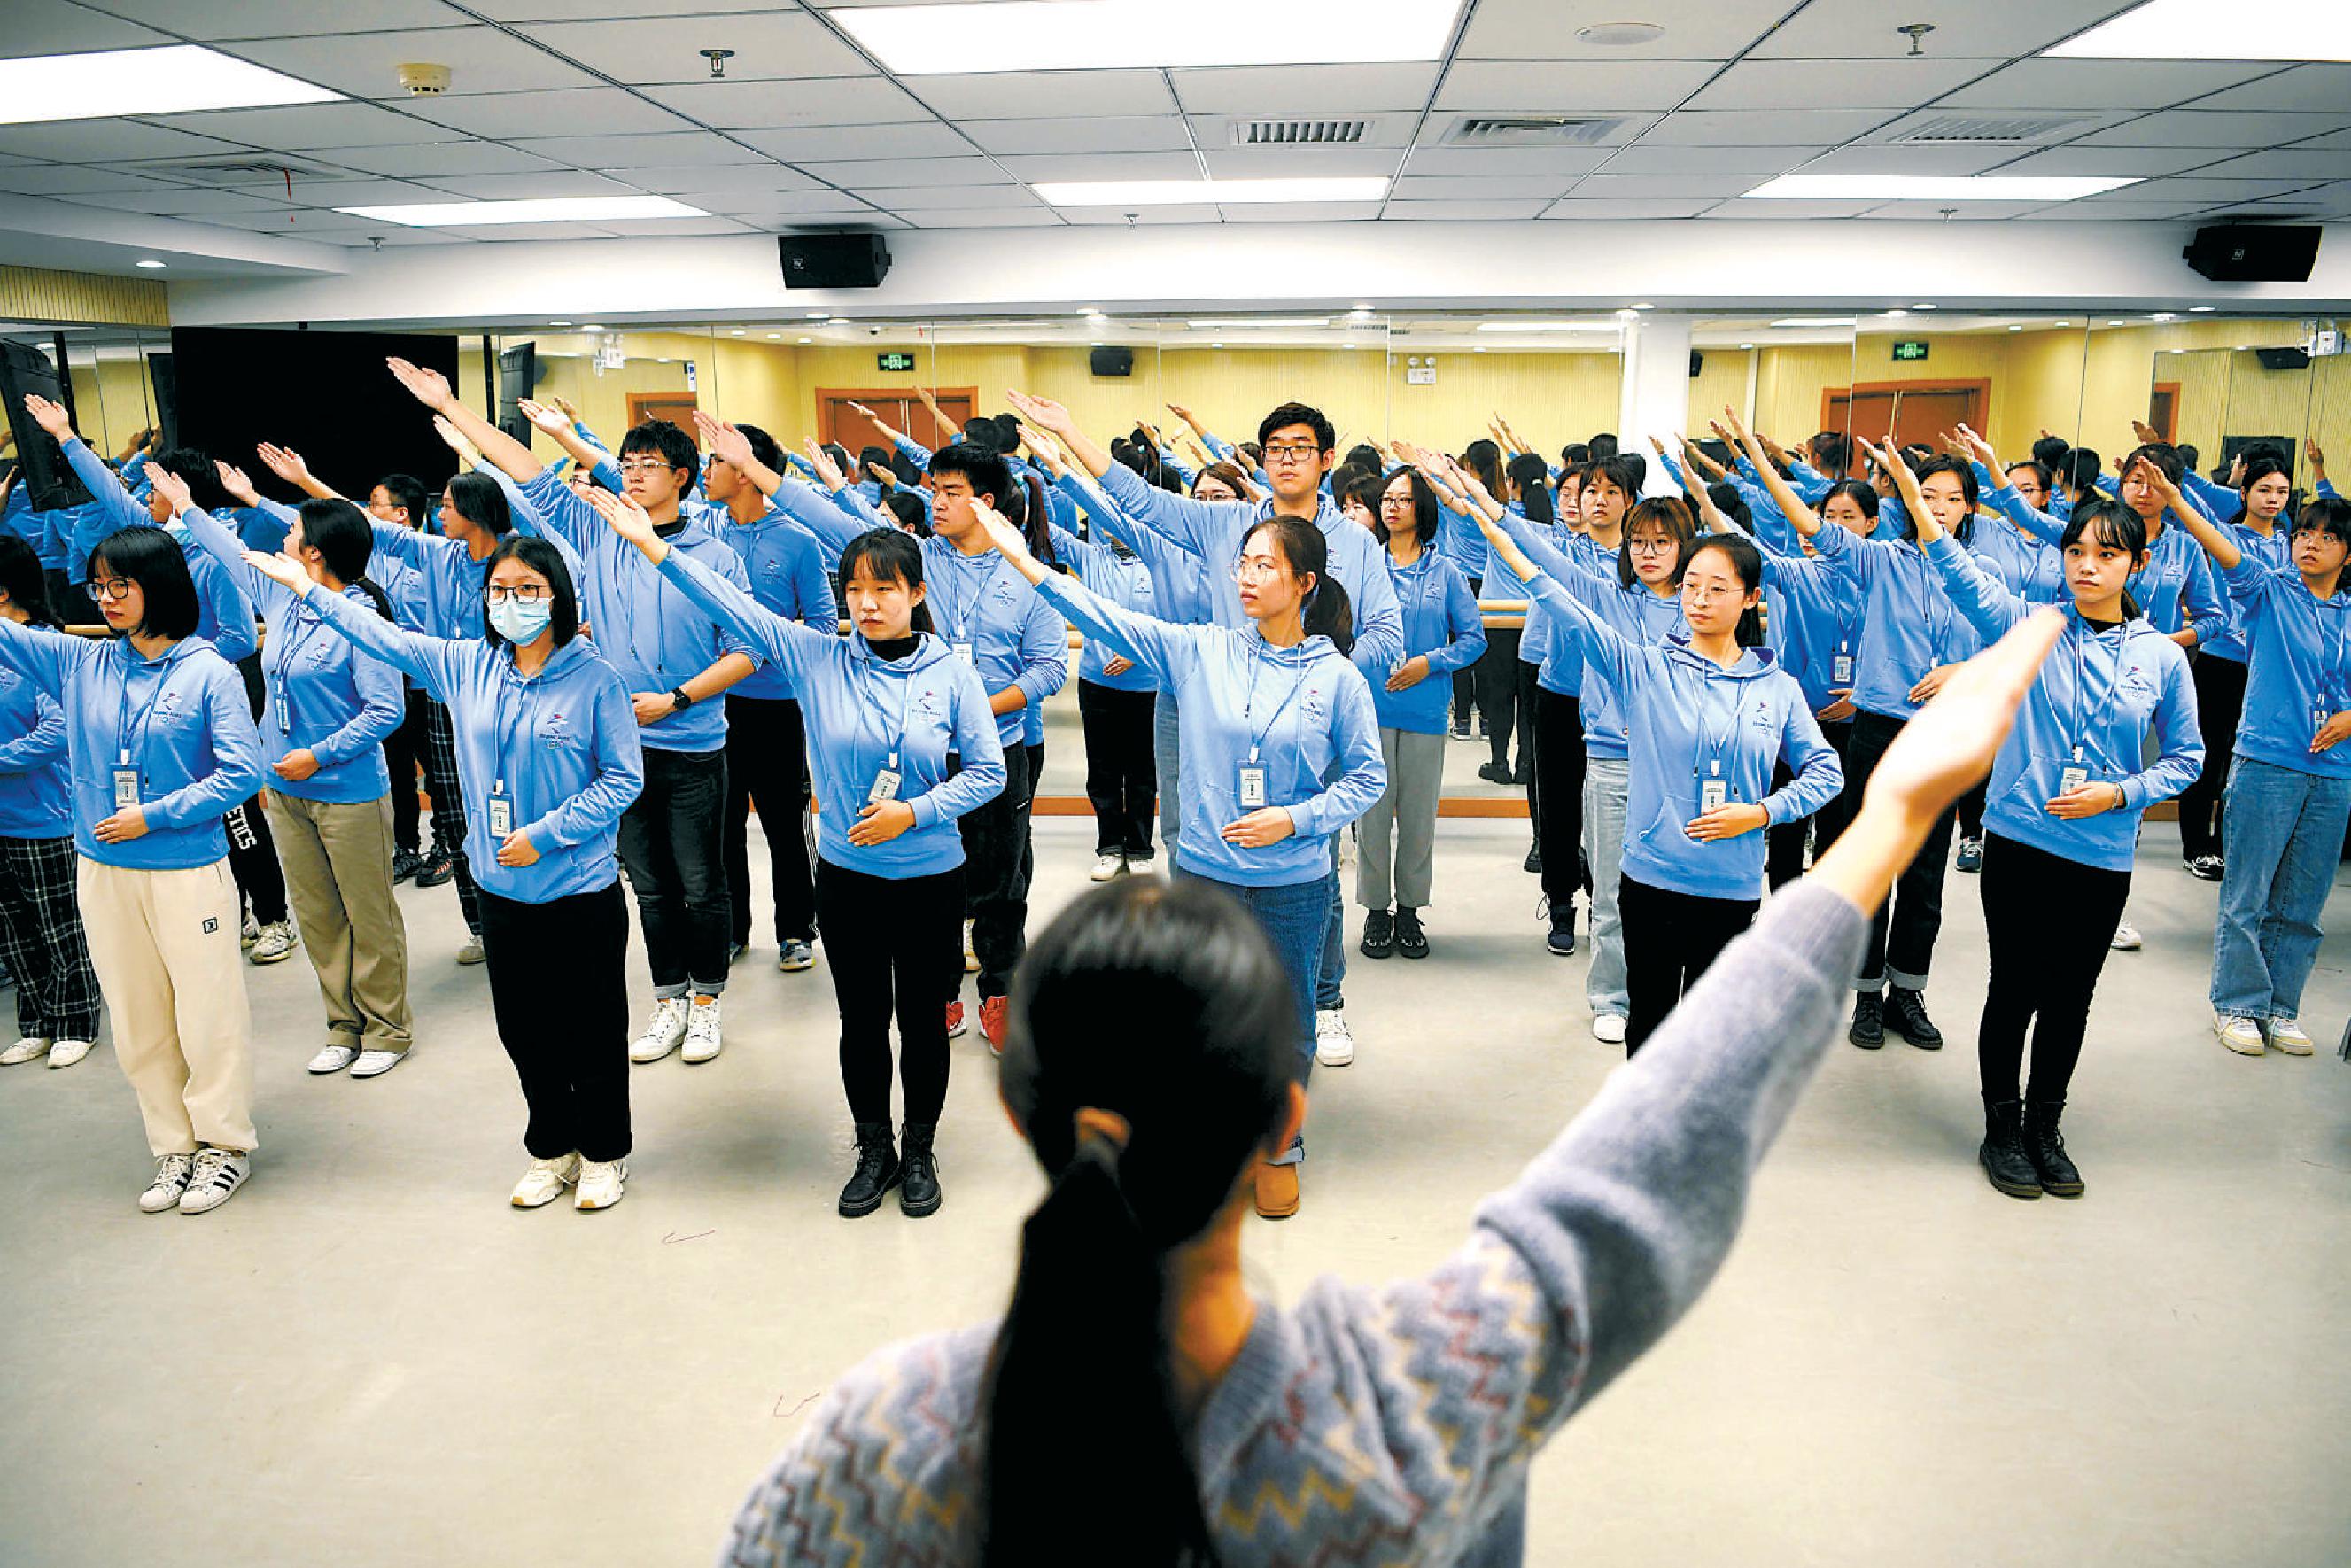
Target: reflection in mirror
{"type": "Point", "coordinates": [2217, 385]}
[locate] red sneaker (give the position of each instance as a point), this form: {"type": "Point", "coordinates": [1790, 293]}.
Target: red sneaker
{"type": "Point", "coordinates": [991, 1023]}
{"type": "Point", "coordinates": [955, 1019]}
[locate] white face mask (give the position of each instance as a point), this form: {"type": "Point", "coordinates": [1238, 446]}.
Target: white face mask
{"type": "Point", "coordinates": [521, 623]}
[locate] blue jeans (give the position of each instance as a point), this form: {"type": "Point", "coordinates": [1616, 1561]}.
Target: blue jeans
{"type": "Point", "coordinates": [2284, 833]}
{"type": "Point", "coordinates": [1294, 917]}
{"type": "Point", "coordinates": [1332, 973]}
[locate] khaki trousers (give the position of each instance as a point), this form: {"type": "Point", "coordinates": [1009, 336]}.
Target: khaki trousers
{"type": "Point", "coordinates": [164, 945]}
{"type": "Point", "coordinates": [338, 860]}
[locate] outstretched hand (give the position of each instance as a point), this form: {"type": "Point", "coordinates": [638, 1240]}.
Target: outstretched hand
{"type": "Point", "coordinates": [282, 570]}
{"type": "Point", "coordinates": [1042, 412]}
{"type": "Point", "coordinates": [725, 443]}
{"type": "Point", "coordinates": [174, 489]}
{"type": "Point", "coordinates": [629, 520]}
{"type": "Point", "coordinates": [1951, 742]}
{"type": "Point", "coordinates": [283, 462]}
{"type": "Point", "coordinates": [233, 479]}
{"type": "Point", "coordinates": [1000, 532]}
{"type": "Point", "coordinates": [550, 420]}
{"type": "Point", "coordinates": [51, 417]}
{"type": "Point", "coordinates": [428, 387]}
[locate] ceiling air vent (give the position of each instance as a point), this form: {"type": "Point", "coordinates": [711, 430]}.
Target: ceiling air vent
{"type": "Point", "coordinates": [240, 170]}
{"type": "Point", "coordinates": [1532, 131]}
{"type": "Point", "coordinates": [1980, 128]}
{"type": "Point", "coordinates": [1297, 133]}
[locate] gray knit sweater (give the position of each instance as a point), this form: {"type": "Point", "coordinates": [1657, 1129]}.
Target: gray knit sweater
{"type": "Point", "coordinates": [1394, 1424]}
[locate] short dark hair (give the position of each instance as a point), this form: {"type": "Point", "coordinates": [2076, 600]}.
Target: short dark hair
{"type": "Point", "coordinates": [764, 447]}
{"type": "Point", "coordinates": [22, 579]}
{"type": "Point", "coordinates": [1425, 518]}
{"type": "Point", "coordinates": [1603, 447]}
{"type": "Point", "coordinates": [2050, 451]}
{"type": "Point", "coordinates": [1363, 454]}
{"type": "Point", "coordinates": [1295, 414]}
{"type": "Point", "coordinates": [981, 431]}
{"type": "Point", "coordinates": [1732, 504]}
{"type": "Point", "coordinates": [887, 555]}
{"type": "Point", "coordinates": [194, 469]}
{"type": "Point", "coordinates": [152, 558]}
{"type": "Point", "coordinates": [2080, 468]}
{"type": "Point", "coordinates": [1363, 487]}
{"type": "Point", "coordinates": [1670, 513]}
{"type": "Point", "coordinates": [988, 474]}
{"type": "Point", "coordinates": [2162, 455]}
{"type": "Point", "coordinates": [547, 561]}
{"type": "Point", "coordinates": [480, 501]}
{"type": "Point", "coordinates": [408, 492]}
{"type": "Point", "coordinates": [1575, 452]}
{"type": "Point", "coordinates": [1832, 450]}
{"type": "Point", "coordinates": [2189, 456]}
{"type": "Point", "coordinates": [674, 447]}
{"type": "Point", "coordinates": [2038, 470]}
{"type": "Point", "coordinates": [2328, 515]}
{"type": "Point", "coordinates": [1621, 473]}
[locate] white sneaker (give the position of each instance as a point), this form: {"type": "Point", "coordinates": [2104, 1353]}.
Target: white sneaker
{"type": "Point", "coordinates": [1608, 1028]}
{"type": "Point", "coordinates": [970, 955]}
{"type": "Point", "coordinates": [274, 945]}
{"type": "Point", "coordinates": [601, 1183]}
{"type": "Point", "coordinates": [1141, 865]}
{"type": "Point", "coordinates": [171, 1181]}
{"type": "Point", "coordinates": [545, 1181]}
{"type": "Point", "coordinates": [2286, 1035]}
{"type": "Point", "coordinates": [662, 1033]}
{"type": "Point", "coordinates": [796, 957]}
{"type": "Point", "coordinates": [702, 1041]}
{"type": "Point", "coordinates": [2125, 938]}
{"type": "Point", "coordinates": [1108, 866]}
{"type": "Point", "coordinates": [1334, 1044]}
{"type": "Point", "coordinates": [471, 953]}
{"type": "Point", "coordinates": [217, 1175]}
{"type": "Point", "coordinates": [376, 1063]}
{"type": "Point", "coordinates": [332, 1058]}
{"type": "Point", "coordinates": [66, 1053]}
{"type": "Point", "coordinates": [2243, 1036]}
{"type": "Point", "coordinates": [249, 933]}
{"type": "Point", "coordinates": [31, 1047]}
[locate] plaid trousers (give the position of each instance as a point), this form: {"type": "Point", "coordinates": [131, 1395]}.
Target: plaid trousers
{"type": "Point", "coordinates": [41, 937]}
{"type": "Point", "coordinates": [449, 806]}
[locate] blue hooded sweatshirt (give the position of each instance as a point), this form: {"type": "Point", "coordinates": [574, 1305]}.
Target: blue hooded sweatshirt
{"type": "Point", "coordinates": [1814, 625]}
{"type": "Point", "coordinates": [1441, 619]}
{"type": "Point", "coordinates": [1908, 625]}
{"type": "Point", "coordinates": [224, 616]}
{"type": "Point", "coordinates": [2096, 697]}
{"type": "Point", "coordinates": [1304, 713]}
{"type": "Point", "coordinates": [1635, 613]}
{"type": "Point", "coordinates": [1693, 723]}
{"type": "Point", "coordinates": [785, 566]}
{"type": "Point", "coordinates": [180, 722]}
{"type": "Point", "coordinates": [560, 745]}
{"type": "Point", "coordinates": [1179, 581]}
{"type": "Point", "coordinates": [2175, 588]}
{"type": "Point", "coordinates": [656, 642]}
{"type": "Point", "coordinates": [2275, 550]}
{"type": "Point", "coordinates": [2299, 667]}
{"type": "Point", "coordinates": [319, 694]}
{"type": "Point", "coordinates": [1120, 577]}
{"type": "Point", "coordinates": [865, 713]}
{"type": "Point", "coordinates": [33, 760]}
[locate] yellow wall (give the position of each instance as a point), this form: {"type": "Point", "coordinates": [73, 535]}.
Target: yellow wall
{"type": "Point", "coordinates": [40, 294]}
{"type": "Point", "coordinates": [112, 402]}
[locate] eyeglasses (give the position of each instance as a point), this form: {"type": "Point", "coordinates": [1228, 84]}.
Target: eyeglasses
{"type": "Point", "coordinates": [1292, 452]}
{"type": "Point", "coordinates": [1653, 546]}
{"type": "Point", "coordinates": [1707, 592]}
{"type": "Point", "coordinates": [642, 465]}
{"type": "Point", "coordinates": [1252, 569]}
{"type": "Point", "coordinates": [111, 587]}
{"type": "Point", "coordinates": [521, 593]}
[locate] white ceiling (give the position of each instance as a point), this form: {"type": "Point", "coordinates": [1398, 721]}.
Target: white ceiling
{"type": "Point", "coordinates": [554, 97]}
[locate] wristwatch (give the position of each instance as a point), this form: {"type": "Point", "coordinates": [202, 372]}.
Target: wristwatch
{"type": "Point", "coordinates": [678, 695]}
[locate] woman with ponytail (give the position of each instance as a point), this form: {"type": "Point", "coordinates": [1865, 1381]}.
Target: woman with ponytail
{"type": "Point", "coordinates": [1137, 1405]}
{"type": "Point", "coordinates": [1281, 749]}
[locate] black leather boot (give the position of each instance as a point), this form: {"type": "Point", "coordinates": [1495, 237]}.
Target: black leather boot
{"type": "Point", "coordinates": [1906, 1015]}
{"type": "Point", "coordinates": [2004, 1157]}
{"type": "Point", "coordinates": [1868, 1029]}
{"type": "Point", "coordinates": [1379, 933]}
{"type": "Point", "coordinates": [918, 1192]}
{"type": "Point", "coordinates": [2045, 1148]}
{"type": "Point", "coordinates": [876, 1172]}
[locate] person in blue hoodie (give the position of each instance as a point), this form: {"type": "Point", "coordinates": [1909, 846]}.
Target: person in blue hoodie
{"type": "Point", "coordinates": [1442, 633]}
{"type": "Point", "coordinates": [160, 743]}
{"type": "Point", "coordinates": [40, 924]}
{"type": "Point", "coordinates": [675, 660]}
{"type": "Point", "coordinates": [548, 744]}
{"type": "Point", "coordinates": [2062, 819]}
{"type": "Point", "coordinates": [326, 709]}
{"type": "Point", "coordinates": [1281, 747]}
{"type": "Point", "coordinates": [1117, 708]}
{"type": "Point", "coordinates": [905, 743]}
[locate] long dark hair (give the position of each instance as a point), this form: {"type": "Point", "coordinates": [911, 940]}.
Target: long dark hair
{"type": "Point", "coordinates": [1530, 475]}
{"type": "Point", "coordinates": [477, 499]}
{"type": "Point", "coordinates": [544, 558]}
{"type": "Point", "coordinates": [1746, 564]}
{"type": "Point", "coordinates": [2117, 528]}
{"type": "Point", "coordinates": [22, 579]}
{"type": "Point", "coordinates": [1327, 611]}
{"type": "Point", "coordinates": [2257, 469]}
{"type": "Point", "coordinates": [344, 539]}
{"type": "Point", "coordinates": [1202, 1080]}
{"type": "Point", "coordinates": [887, 554]}
{"type": "Point", "coordinates": [1484, 458]}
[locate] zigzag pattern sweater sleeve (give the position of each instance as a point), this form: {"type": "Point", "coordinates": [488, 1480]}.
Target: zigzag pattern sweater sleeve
{"type": "Point", "coordinates": [1394, 1424]}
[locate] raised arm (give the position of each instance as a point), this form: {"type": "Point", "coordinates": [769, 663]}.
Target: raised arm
{"type": "Point", "coordinates": [120, 511]}
{"type": "Point", "coordinates": [428, 661]}
{"type": "Point", "coordinates": [1158, 647]}
{"type": "Point", "coordinates": [2200, 598]}
{"type": "Point", "coordinates": [779, 640]}
{"type": "Point", "coordinates": [41, 746]}
{"type": "Point", "coordinates": [43, 658]}
{"type": "Point", "coordinates": [1801, 518]}
{"type": "Point", "coordinates": [289, 465]}
{"type": "Point", "coordinates": [1981, 600]}
{"type": "Point", "coordinates": [432, 389]}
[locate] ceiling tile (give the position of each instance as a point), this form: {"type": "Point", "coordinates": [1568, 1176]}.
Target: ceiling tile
{"type": "Point", "coordinates": [1019, 95]}
{"type": "Point", "coordinates": [757, 205]}
{"type": "Point", "coordinates": [58, 27]}
{"type": "Point", "coordinates": [767, 105]}
{"type": "Point", "coordinates": [661, 228]}
{"type": "Point", "coordinates": [1645, 158]}
{"type": "Point", "coordinates": [577, 10]}
{"type": "Point", "coordinates": [2192, 187]}
{"type": "Point", "coordinates": [1955, 212]}
{"type": "Point", "coordinates": [668, 182]}
{"type": "Point", "coordinates": [1970, 29]}
{"type": "Point", "coordinates": [1569, 87]}
{"type": "Point", "coordinates": [509, 115]}
{"type": "Point", "coordinates": [986, 218]}
{"type": "Point", "coordinates": [550, 184]}
{"type": "Point", "coordinates": [2284, 164]}
{"type": "Point", "coordinates": [1955, 158]}
{"type": "Point", "coordinates": [442, 159]}
{"type": "Point", "coordinates": [884, 173]}
{"type": "Point", "coordinates": [1095, 133]}
{"type": "Point", "coordinates": [1278, 162]}
{"type": "Point", "coordinates": [1094, 166]}
{"type": "Point", "coordinates": [1314, 212]}
{"type": "Point", "coordinates": [2088, 160]}
{"type": "Point", "coordinates": [305, 127]}
{"type": "Point", "coordinates": [2100, 84]}
{"type": "Point", "coordinates": [927, 139]}
{"type": "Point", "coordinates": [105, 141]}
{"type": "Point", "coordinates": [1479, 212]}
{"type": "Point", "coordinates": [1694, 30]}
{"type": "Point", "coordinates": [1596, 186]}
{"type": "Point", "coordinates": [1304, 90]}
{"type": "Point", "coordinates": [1847, 84]}
{"type": "Point", "coordinates": [75, 180]}
{"type": "Point", "coordinates": [480, 59]}
{"type": "Point", "coordinates": [910, 198]}
{"type": "Point", "coordinates": [300, 222]}
{"type": "Point", "coordinates": [210, 20]}
{"type": "Point", "coordinates": [2245, 130]}
{"type": "Point", "coordinates": [1497, 161]}
{"type": "Point", "coordinates": [1471, 187]}
{"type": "Point", "coordinates": [2320, 88]}
{"type": "Point", "coordinates": [2061, 124]}
{"type": "Point", "coordinates": [1638, 208]}
{"type": "Point", "coordinates": [1771, 128]}
{"type": "Point", "coordinates": [510, 233]}
{"type": "Point", "coordinates": [159, 201]}
{"type": "Point", "coordinates": [667, 49]}
{"type": "Point", "coordinates": [640, 151]}
{"type": "Point", "coordinates": [361, 193]}
{"type": "Point", "coordinates": [1786, 212]}
{"type": "Point", "coordinates": [2109, 211]}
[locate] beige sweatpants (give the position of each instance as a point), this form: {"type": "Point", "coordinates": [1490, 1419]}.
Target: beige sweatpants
{"type": "Point", "coordinates": [337, 862]}
{"type": "Point", "coordinates": [164, 945]}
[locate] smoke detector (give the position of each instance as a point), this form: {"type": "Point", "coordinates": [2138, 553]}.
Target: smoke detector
{"type": "Point", "coordinates": [423, 80]}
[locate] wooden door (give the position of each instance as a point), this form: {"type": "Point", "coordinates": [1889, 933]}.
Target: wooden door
{"type": "Point", "coordinates": [900, 408]}
{"type": "Point", "coordinates": [2163, 409]}
{"type": "Point", "coordinates": [677, 407]}
{"type": "Point", "coordinates": [1909, 411]}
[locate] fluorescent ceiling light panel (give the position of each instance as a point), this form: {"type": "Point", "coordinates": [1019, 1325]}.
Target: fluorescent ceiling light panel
{"type": "Point", "coordinates": [2185, 30]}
{"type": "Point", "coordinates": [170, 81]}
{"type": "Point", "coordinates": [1817, 321]}
{"type": "Point", "coordinates": [1223, 192]}
{"type": "Point", "coordinates": [1287, 321]}
{"type": "Point", "coordinates": [1608, 325]}
{"type": "Point", "coordinates": [1938, 188]}
{"type": "Point", "coordinates": [550, 210]}
{"type": "Point", "coordinates": [1079, 35]}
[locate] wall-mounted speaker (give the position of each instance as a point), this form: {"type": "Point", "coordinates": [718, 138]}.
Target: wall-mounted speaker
{"type": "Point", "coordinates": [2255, 252]}
{"type": "Point", "coordinates": [834, 260]}
{"type": "Point", "coordinates": [1698, 363]}
{"type": "Point", "coordinates": [1113, 361]}
{"type": "Point", "coordinates": [2283, 359]}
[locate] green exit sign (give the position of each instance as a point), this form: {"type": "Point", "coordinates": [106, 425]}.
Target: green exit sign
{"type": "Point", "coordinates": [907, 361]}
{"type": "Point", "coordinates": [1909, 348]}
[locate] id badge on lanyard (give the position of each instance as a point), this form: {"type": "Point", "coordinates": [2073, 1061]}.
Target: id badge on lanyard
{"type": "Point", "coordinates": [963, 650]}
{"type": "Point", "coordinates": [126, 784]}
{"type": "Point", "coordinates": [1252, 784]}
{"type": "Point", "coordinates": [2074, 775]}
{"type": "Point", "coordinates": [1714, 793]}
{"type": "Point", "coordinates": [886, 781]}
{"type": "Point", "coordinates": [1840, 668]}
{"type": "Point", "coordinates": [501, 810]}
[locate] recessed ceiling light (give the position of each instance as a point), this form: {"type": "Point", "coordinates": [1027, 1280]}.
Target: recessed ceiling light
{"type": "Point", "coordinates": [1362, 308]}
{"type": "Point", "coordinates": [1925, 307]}
{"type": "Point", "coordinates": [543, 210]}
{"type": "Point", "coordinates": [2016, 328]}
{"type": "Point", "coordinates": [775, 334]}
{"type": "Point", "coordinates": [1896, 315]}
{"type": "Point", "coordinates": [735, 333]}
{"type": "Point", "coordinates": [2200, 309]}
{"type": "Point", "coordinates": [1478, 349]}
{"type": "Point", "coordinates": [170, 81]}
{"type": "Point", "coordinates": [836, 321]}
{"type": "Point", "coordinates": [2061, 323]}
{"type": "Point", "coordinates": [1077, 35]}
{"type": "Point", "coordinates": [1938, 187]}
{"type": "Point", "coordinates": [818, 315]}
{"type": "Point", "coordinates": [808, 339]}
{"type": "Point", "coordinates": [150, 261]}
{"type": "Point", "coordinates": [2163, 316]}
{"type": "Point", "coordinates": [1259, 321]}
{"type": "Point", "coordinates": [558, 323]}
{"type": "Point", "coordinates": [1227, 193]}
{"type": "Point", "coordinates": [2181, 30]}
{"type": "Point", "coordinates": [1645, 306]}
{"type": "Point", "coordinates": [1619, 35]}
{"type": "Point", "coordinates": [1587, 326]}
{"type": "Point", "coordinates": [1817, 321]}
{"type": "Point", "coordinates": [1346, 345]}
{"type": "Point", "coordinates": [2116, 322]}
{"type": "Point", "coordinates": [1216, 345]}
{"type": "Point", "coordinates": [1746, 345]}
{"type": "Point", "coordinates": [590, 327]}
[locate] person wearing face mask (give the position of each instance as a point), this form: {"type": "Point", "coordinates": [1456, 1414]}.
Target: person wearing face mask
{"type": "Point", "coordinates": [548, 746]}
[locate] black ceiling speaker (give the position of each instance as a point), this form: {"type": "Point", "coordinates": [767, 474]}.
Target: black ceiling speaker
{"type": "Point", "coordinates": [2254, 253]}
{"type": "Point", "coordinates": [2283, 359]}
{"type": "Point", "coordinates": [1113, 361]}
{"type": "Point", "coordinates": [1697, 364]}
{"type": "Point", "coordinates": [834, 260]}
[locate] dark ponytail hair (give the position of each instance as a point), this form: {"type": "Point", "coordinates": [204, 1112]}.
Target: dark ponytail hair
{"type": "Point", "coordinates": [2117, 527]}
{"type": "Point", "coordinates": [1202, 1080]}
{"type": "Point", "coordinates": [1746, 564]}
{"type": "Point", "coordinates": [344, 539]}
{"type": "Point", "coordinates": [1484, 458]}
{"type": "Point", "coordinates": [22, 579]}
{"type": "Point", "coordinates": [1531, 476]}
{"type": "Point", "coordinates": [477, 499]}
{"type": "Point", "coordinates": [885, 553]}
{"type": "Point", "coordinates": [1327, 611]}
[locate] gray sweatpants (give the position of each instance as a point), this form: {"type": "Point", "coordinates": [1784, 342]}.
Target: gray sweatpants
{"type": "Point", "coordinates": [1406, 812]}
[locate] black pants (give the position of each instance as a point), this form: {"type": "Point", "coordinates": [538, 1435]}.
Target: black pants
{"type": "Point", "coordinates": [559, 991]}
{"type": "Point", "coordinates": [1027, 838]}
{"type": "Point", "coordinates": [2220, 705]}
{"type": "Point", "coordinates": [1902, 933]}
{"type": "Point", "coordinates": [995, 889]}
{"type": "Point", "coordinates": [1670, 938]}
{"type": "Point", "coordinates": [1830, 819]}
{"type": "Point", "coordinates": [403, 759]}
{"type": "Point", "coordinates": [1497, 670]}
{"type": "Point", "coordinates": [449, 807]}
{"type": "Point", "coordinates": [1120, 778]}
{"type": "Point", "coordinates": [1970, 810]}
{"type": "Point", "coordinates": [252, 852]}
{"type": "Point", "coordinates": [767, 762]}
{"type": "Point", "coordinates": [669, 845]}
{"type": "Point", "coordinates": [893, 945]}
{"type": "Point", "coordinates": [1465, 680]}
{"type": "Point", "coordinates": [1558, 794]}
{"type": "Point", "coordinates": [1783, 860]}
{"type": "Point", "coordinates": [2048, 921]}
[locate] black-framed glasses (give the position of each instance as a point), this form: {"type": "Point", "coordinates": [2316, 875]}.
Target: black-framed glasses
{"type": "Point", "coordinates": [521, 593]}
{"type": "Point", "coordinates": [110, 587]}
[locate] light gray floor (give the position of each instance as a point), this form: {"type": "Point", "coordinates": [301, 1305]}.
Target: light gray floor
{"type": "Point", "coordinates": [370, 1357]}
